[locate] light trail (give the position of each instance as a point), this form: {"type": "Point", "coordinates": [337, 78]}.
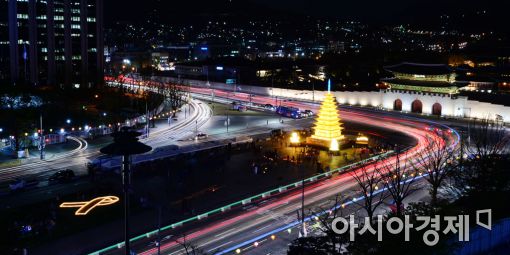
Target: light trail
{"type": "Point", "coordinates": [314, 192]}
{"type": "Point", "coordinates": [200, 113]}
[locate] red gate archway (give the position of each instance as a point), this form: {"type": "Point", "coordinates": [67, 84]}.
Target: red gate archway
{"type": "Point", "coordinates": [416, 106]}
{"type": "Point", "coordinates": [436, 109]}
{"type": "Point", "coordinates": [397, 105]}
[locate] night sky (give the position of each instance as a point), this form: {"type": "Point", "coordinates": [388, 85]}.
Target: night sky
{"type": "Point", "coordinates": [363, 10]}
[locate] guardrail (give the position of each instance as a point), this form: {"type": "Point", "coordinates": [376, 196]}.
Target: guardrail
{"type": "Point", "coordinates": [248, 200]}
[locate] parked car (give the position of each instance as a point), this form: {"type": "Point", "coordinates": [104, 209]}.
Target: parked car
{"type": "Point", "coordinates": [240, 107]}
{"type": "Point", "coordinates": [269, 107]}
{"type": "Point", "coordinates": [20, 184]}
{"type": "Point", "coordinates": [308, 113]}
{"type": "Point", "coordinates": [287, 111]}
{"type": "Point", "coordinates": [62, 176]}
{"type": "Point", "coordinates": [201, 136]}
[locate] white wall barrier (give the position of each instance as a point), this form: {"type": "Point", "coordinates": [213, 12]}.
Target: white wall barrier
{"type": "Point", "coordinates": [453, 106]}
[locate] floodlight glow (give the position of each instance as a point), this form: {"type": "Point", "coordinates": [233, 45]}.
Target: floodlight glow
{"type": "Point", "coordinates": [294, 138]}
{"type": "Point", "coordinates": [334, 145]}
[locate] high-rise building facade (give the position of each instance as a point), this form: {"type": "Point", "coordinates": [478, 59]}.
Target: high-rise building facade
{"type": "Point", "coordinates": [51, 42]}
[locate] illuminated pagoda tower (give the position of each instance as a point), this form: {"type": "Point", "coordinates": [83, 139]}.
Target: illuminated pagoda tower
{"type": "Point", "coordinates": [328, 128]}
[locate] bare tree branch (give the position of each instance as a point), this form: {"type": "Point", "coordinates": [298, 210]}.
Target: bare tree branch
{"type": "Point", "coordinates": [370, 182]}
{"type": "Point", "coordinates": [398, 179]}
{"type": "Point", "coordinates": [438, 161]}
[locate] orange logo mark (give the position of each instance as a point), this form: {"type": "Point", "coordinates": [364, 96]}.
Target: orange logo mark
{"type": "Point", "coordinates": [86, 206]}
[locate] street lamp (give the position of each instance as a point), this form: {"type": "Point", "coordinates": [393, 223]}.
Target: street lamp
{"type": "Point", "coordinates": [42, 143]}
{"type": "Point", "coordinates": [125, 143]}
{"type": "Point", "coordinates": [334, 146]}
{"type": "Point", "coordinates": [294, 138]}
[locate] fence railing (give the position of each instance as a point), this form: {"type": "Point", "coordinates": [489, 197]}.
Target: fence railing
{"type": "Point", "coordinates": [249, 200]}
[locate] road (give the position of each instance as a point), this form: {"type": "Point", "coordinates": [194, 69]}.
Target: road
{"type": "Point", "coordinates": [199, 114]}
{"type": "Point", "coordinates": [241, 227]}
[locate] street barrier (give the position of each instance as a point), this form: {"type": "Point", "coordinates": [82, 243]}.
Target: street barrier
{"type": "Point", "coordinates": [251, 199]}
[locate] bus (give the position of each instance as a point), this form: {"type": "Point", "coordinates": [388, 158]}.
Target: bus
{"type": "Point", "coordinates": [287, 111]}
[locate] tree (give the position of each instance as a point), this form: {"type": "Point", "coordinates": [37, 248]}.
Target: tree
{"type": "Point", "coordinates": [487, 138]}
{"type": "Point", "coordinates": [21, 120]}
{"type": "Point", "coordinates": [327, 243]}
{"type": "Point", "coordinates": [398, 179]}
{"type": "Point", "coordinates": [438, 161]}
{"type": "Point", "coordinates": [175, 95]}
{"type": "Point", "coordinates": [370, 182]}
{"type": "Point", "coordinates": [485, 144]}
{"type": "Point", "coordinates": [189, 248]}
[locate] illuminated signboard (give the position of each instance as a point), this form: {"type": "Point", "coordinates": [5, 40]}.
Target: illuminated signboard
{"type": "Point", "coordinates": [85, 207]}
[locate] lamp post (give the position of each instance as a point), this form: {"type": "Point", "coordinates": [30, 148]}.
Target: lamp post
{"type": "Point", "coordinates": [147, 119]}
{"type": "Point", "coordinates": [227, 122]}
{"type": "Point", "coordinates": [42, 143]}
{"type": "Point", "coordinates": [125, 143]}
{"type": "Point", "coordinates": [295, 141]}
{"type": "Point", "coordinates": [313, 91]}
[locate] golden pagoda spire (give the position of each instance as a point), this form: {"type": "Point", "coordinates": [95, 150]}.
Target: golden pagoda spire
{"type": "Point", "coordinates": [328, 126]}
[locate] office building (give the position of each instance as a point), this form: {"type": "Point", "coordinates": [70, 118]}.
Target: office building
{"type": "Point", "coordinates": [51, 42]}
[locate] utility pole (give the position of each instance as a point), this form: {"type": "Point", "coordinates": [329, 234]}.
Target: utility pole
{"type": "Point", "coordinates": [125, 143]}
{"type": "Point", "coordinates": [250, 95]}
{"type": "Point", "coordinates": [313, 91]}
{"type": "Point", "coordinates": [159, 230]}
{"type": "Point", "coordinates": [228, 122]}
{"type": "Point", "coordinates": [147, 118]}
{"type": "Point", "coordinates": [461, 158]}
{"type": "Point", "coordinates": [272, 83]}
{"type": "Point", "coordinates": [303, 227]}
{"type": "Point", "coordinates": [207, 83]}
{"type": "Point", "coordinates": [303, 204]}
{"type": "Point", "coordinates": [41, 139]}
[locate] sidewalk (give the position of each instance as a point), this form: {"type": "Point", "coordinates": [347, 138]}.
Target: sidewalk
{"type": "Point", "coordinates": [7, 158]}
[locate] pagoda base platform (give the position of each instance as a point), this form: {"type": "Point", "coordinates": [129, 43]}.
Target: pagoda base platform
{"type": "Point", "coordinates": [320, 142]}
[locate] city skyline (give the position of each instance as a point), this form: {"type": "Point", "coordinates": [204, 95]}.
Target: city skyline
{"type": "Point", "coordinates": [254, 127]}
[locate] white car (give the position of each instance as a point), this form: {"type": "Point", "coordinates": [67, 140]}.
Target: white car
{"type": "Point", "coordinates": [201, 136]}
